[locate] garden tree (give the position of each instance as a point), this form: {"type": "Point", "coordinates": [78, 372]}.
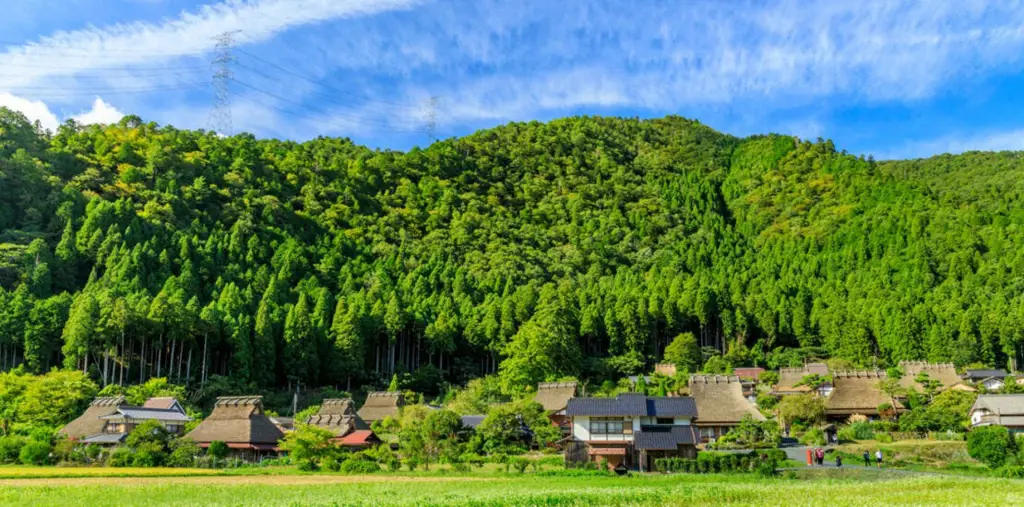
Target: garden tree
{"type": "Point", "coordinates": [308, 443]}
{"type": "Point", "coordinates": [506, 427]}
{"type": "Point", "coordinates": [393, 387]}
{"type": "Point", "coordinates": [768, 378]}
{"type": "Point", "coordinates": [804, 409]}
{"type": "Point", "coordinates": [930, 385]}
{"type": "Point", "coordinates": [12, 388]}
{"type": "Point", "coordinates": [55, 398]}
{"type": "Point", "coordinates": [684, 352]}
{"type": "Point", "coordinates": [150, 442]}
{"type": "Point", "coordinates": [440, 435]}
{"type": "Point", "coordinates": [750, 434]}
{"type": "Point", "coordinates": [580, 246]}
{"type": "Point", "coordinates": [641, 385]}
{"type": "Point", "coordinates": [815, 381]}
{"type": "Point", "coordinates": [477, 397]}
{"type": "Point", "coordinates": [990, 445]}
{"type": "Point", "coordinates": [411, 440]}
{"type": "Point", "coordinates": [892, 388]}
{"type": "Point", "coordinates": [948, 411]}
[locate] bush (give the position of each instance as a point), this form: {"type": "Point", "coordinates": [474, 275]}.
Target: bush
{"type": "Point", "coordinates": [576, 472]}
{"type": "Point", "coordinates": [121, 457]}
{"type": "Point", "coordinates": [218, 450]}
{"type": "Point", "coordinates": [884, 438]}
{"type": "Point", "coordinates": [308, 465]}
{"type": "Point", "coordinates": [519, 463]}
{"type": "Point", "coordinates": [1012, 472]}
{"type": "Point", "coordinates": [331, 463]}
{"type": "Point", "coordinates": [720, 463]}
{"type": "Point", "coordinates": [988, 444]}
{"type": "Point", "coordinates": [35, 453]}
{"type": "Point", "coordinates": [10, 448]}
{"type": "Point", "coordinates": [813, 436]}
{"type": "Point", "coordinates": [359, 466]}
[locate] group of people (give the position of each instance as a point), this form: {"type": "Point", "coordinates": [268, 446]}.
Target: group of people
{"type": "Point", "coordinates": [818, 458]}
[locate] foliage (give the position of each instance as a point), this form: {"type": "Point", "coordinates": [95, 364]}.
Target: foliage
{"type": "Point", "coordinates": [35, 452]}
{"type": "Point", "coordinates": [308, 443]}
{"type": "Point", "coordinates": [948, 411]}
{"type": "Point", "coordinates": [751, 434]}
{"type": "Point", "coordinates": [477, 397]}
{"type": "Point", "coordinates": [719, 463]}
{"type": "Point", "coordinates": [813, 436]}
{"type": "Point", "coordinates": [814, 381]}
{"type": "Point", "coordinates": [218, 450]}
{"type": "Point", "coordinates": [10, 448]}
{"type": "Point", "coordinates": [684, 352]}
{"type": "Point", "coordinates": [803, 408]}
{"type": "Point", "coordinates": [768, 378]}
{"type": "Point", "coordinates": [990, 445]}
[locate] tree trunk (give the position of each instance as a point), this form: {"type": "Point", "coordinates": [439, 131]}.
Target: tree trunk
{"type": "Point", "coordinates": [142, 361]}
{"type": "Point", "coordinates": [159, 356]}
{"type": "Point", "coordinates": [188, 369]}
{"type": "Point", "coordinates": [202, 375]}
{"type": "Point", "coordinates": [106, 356]}
{"type": "Point", "coordinates": [170, 359]}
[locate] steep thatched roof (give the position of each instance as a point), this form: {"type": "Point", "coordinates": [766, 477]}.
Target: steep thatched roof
{"type": "Point", "coordinates": [89, 423]}
{"type": "Point", "coordinates": [238, 420]}
{"type": "Point", "coordinates": [381, 404]}
{"type": "Point", "coordinates": [790, 377]}
{"type": "Point", "coordinates": [554, 396]}
{"type": "Point", "coordinates": [338, 415]}
{"type": "Point", "coordinates": [720, 400]}
{"type": "Point", "coordinates": [945, 373]}
{"type": "Point", "coordinates": [666, 369]}
{"type": "Point", "coordinates": [857, 392]}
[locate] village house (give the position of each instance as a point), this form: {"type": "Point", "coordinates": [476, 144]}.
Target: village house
{"type": "Point", "coordinates": [554, 397]}
{"type": "Point", "coordinates": [944, 373]}
{"type": "Point", "coordinates": [631, 430]}
{"type": "Point", "coordinates": [338, 415]}
{"type": "Point", "coordinates": [720, 405]}
{"type": "Point", "coordinates": [992, 380]}
{"type": "Point", "coordinates": [109, 420]}
{"type": "Point", "coordinates": [858, 392]}
{"type": "Point", "coordinates": [790, 377]}
{"type": "Point", "coordinates": [239, 422]}
{"type": "Point", "coordinates": [380, 405]}
{"type": "Point", "coordinates": [1005, 410]}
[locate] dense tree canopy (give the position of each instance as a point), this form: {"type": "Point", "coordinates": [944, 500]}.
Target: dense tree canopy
{"type": "Point", "coordinates": [579, 247]}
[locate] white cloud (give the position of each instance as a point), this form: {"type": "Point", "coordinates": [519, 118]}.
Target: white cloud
{"type": "Point", "coordinates": [34, 110]}
{"type": "Point", "coordinates": [101, 112]}
{"type": "Point", "coordinates": [1012, 140]}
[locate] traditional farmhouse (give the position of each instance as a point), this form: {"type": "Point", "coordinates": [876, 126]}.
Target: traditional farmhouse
{"type": "Point", "coordinates": [944, 373]}
{"type": "Point", "coordinates": [999, 410]}
{"type": "Point", "coordinates": [381, 404]}
{"type": "Point", "coordinates": [790, 377]}
{"type": "Point", "coordinates": [857, 392]}
{"type": "Point", "coordinates": [239, 422]}
{"type": "Point", "coordinates": [339, 416]}
{"type": "Point", "coordinates": [108, 421]}
{"type": "Point", "coordinates": [720, 405]}
{"type": "Point", "coordinates": [631, 430]}
{"type": "Point", "coordinates": [992, 380]}
{"type": "Point", "coordinates": [554, 396]}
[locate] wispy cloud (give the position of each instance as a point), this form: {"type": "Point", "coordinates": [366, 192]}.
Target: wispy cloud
{"type": "Point", "coordinates": [1012, 140]}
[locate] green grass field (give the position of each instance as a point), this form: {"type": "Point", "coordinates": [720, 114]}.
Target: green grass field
{"type": "Point", "coordinates": [493, 488]}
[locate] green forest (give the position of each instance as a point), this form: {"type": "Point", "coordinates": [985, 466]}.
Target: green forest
{"type": "Point", "coordinates": [579, 247]}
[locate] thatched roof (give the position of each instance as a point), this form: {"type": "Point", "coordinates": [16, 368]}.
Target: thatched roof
{"type": "Point", "coordinates": [720, 400]}
{"type": "Point", "coordinates": [666, 369]}
{"type": "Point", "coordinates": [238, 420]}
{"type": "Point", "coordinates": [945, 373]}
{"type": "Point", "coordinates": [857, 392]}
{"type": "Point", "coordinates": [381, 404]}
{"type": "Point", "coordinates": [790, 377]}
{"type": "Point", "coordinates": [554, 396]}
{"type": "Point", "coordinates": [338, 415]}
{"type": "Point", "coordinates": [89, 423]}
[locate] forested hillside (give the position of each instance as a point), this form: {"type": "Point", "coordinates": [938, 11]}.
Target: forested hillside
{"type": "Point", "coordinates": [578, 247]}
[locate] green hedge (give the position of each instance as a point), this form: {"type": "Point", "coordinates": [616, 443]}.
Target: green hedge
{"type": "Point", "coordinates": [711, 463]}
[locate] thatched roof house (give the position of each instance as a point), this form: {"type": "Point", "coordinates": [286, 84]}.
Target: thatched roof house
{"type": "Point", "coordinates": [554, 396]}
{"type": "Point", "coordinates": [381, 404]}
{"type": "Point", "coordinates": [857, 392]}
{"type": "Point", "coordinates": [238, 421]}
{"type": "Point", "coordinates": [720, 400]}
{"type": "Point", "coordinates": [790, 377]}
{"type": "Point", "coordinates": [338, 415]}
{"type": "Point", "coordinates": [944, 373]}
{"type": "Point", "coordinates": [90, 422]}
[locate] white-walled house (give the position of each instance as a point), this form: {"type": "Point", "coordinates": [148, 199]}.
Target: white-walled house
{"type": "Point", "coordinates": [999, 410]}
{"type": "Point", "coordinates": [632, 429]}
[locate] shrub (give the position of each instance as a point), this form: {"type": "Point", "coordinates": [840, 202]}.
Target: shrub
{"type": "Point", "coordinates": [519, 463]}
{"type": "Point", "coordinates": [10, 448]}
{"type": "Point", "coordinates": [184, 454]}
{"type": "Point", "coordinates": [35, 453]}
{"type": "Point", "coordinates": [576, 472]}
{"type": "Point", "coordinates": [218, 450]}
{"type": "Point", "coordinates": [307, 465]}
{"type": "Point", "coordinates": [988, 444]}
{"type": "Point", "coordinates": [813, 436]}
{"type": "Point", "coordinates": [121, 457]}
{"type": "Point", "coordinates": [331, 463]}
{"type": "Point", "coordinates": [1012, 472]}
{"type": "Point", "coordinates": [359, 466]}
{"type": "Point", "coordinates": [766, 468]}
{"type": "Point", "coordinates": [884, 438]}
{"type": "Point", "coordinates": [412, 462]}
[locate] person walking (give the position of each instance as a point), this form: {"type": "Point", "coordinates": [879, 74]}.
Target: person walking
{"type": "Point", "coordinates": [867, 458]}
{"type": "Point", "coordinates": [839, 461]}
{"type": "Point", "coordinates": [821, 456]}
{"type": "Point", "coordinates": [878, 458]}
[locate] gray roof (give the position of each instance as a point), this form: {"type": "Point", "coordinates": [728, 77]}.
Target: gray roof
{"type": "Point", "coordinates": [105, 438]}
{"type": "Point", "coordinates": [142, 414]}
{"type": "Point", "coordinates": [633, 404]}
{"type": "Point", "coordinates": [984, 374]}
{"type": "Point", "coordinates": [472, 421]}
{"type": "Point", "coordinates": [665, 440]}
{"type": "Point", "coordinates": [1003, 404]}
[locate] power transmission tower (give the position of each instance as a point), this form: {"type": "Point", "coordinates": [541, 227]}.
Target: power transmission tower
{"type": "Point", "coordinates": [220, 115]}
{"type": "Point", "coordinates": [431, 118]}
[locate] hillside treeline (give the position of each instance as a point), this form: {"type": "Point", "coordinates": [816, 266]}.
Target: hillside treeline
{"type": "Point", "coordinates": [578, 247]}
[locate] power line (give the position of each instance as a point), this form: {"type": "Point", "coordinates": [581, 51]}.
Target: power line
{"type": "Point", "coordinates": [220, 115]}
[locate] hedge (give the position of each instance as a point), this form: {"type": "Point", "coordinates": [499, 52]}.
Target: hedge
{"type": "Point", "coordinates": [711, 463]}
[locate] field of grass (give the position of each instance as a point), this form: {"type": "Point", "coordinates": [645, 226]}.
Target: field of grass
{"type": "Point", "coordinates": [917, 455]}
{"type": "Point", "coordinates": [858, 488]}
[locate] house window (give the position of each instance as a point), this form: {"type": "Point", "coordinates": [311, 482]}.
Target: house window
{"type": "Point", "coordinates": [707, 434]}
{"type": "Point", "coordinates": [606, 425]}
{"type": "Point", "coordinates": [665, 420]}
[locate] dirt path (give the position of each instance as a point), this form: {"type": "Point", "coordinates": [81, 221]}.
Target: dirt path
{"type": "Point", "coordinates": [273, 480]}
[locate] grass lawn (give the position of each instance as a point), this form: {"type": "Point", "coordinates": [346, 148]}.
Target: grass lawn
{"type": "Point", "coordinates": [917, 455]}
{"type": "Point", "coordinates": [495, 488]}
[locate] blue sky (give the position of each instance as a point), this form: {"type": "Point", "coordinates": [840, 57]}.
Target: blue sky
{"type": "Point", "coordinates": [890, 78]}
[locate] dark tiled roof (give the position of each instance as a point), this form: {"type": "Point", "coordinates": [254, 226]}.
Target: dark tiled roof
{"type": "Point", "coordinates": [472, 421]}
{"type": "Point", "coordinates": [984, 374]}
{"type": "Point", "coordinates": [143, 413]}
{"type": "Point", "coordinates": [105, 438]}
{"type": "Point", "coordinates": [632, 404]}
{"type": "Point", "coordinates": [665, 440]}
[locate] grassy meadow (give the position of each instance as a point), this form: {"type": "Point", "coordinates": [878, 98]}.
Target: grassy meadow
{"type": "Point", "coordinates": [495, 488]}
